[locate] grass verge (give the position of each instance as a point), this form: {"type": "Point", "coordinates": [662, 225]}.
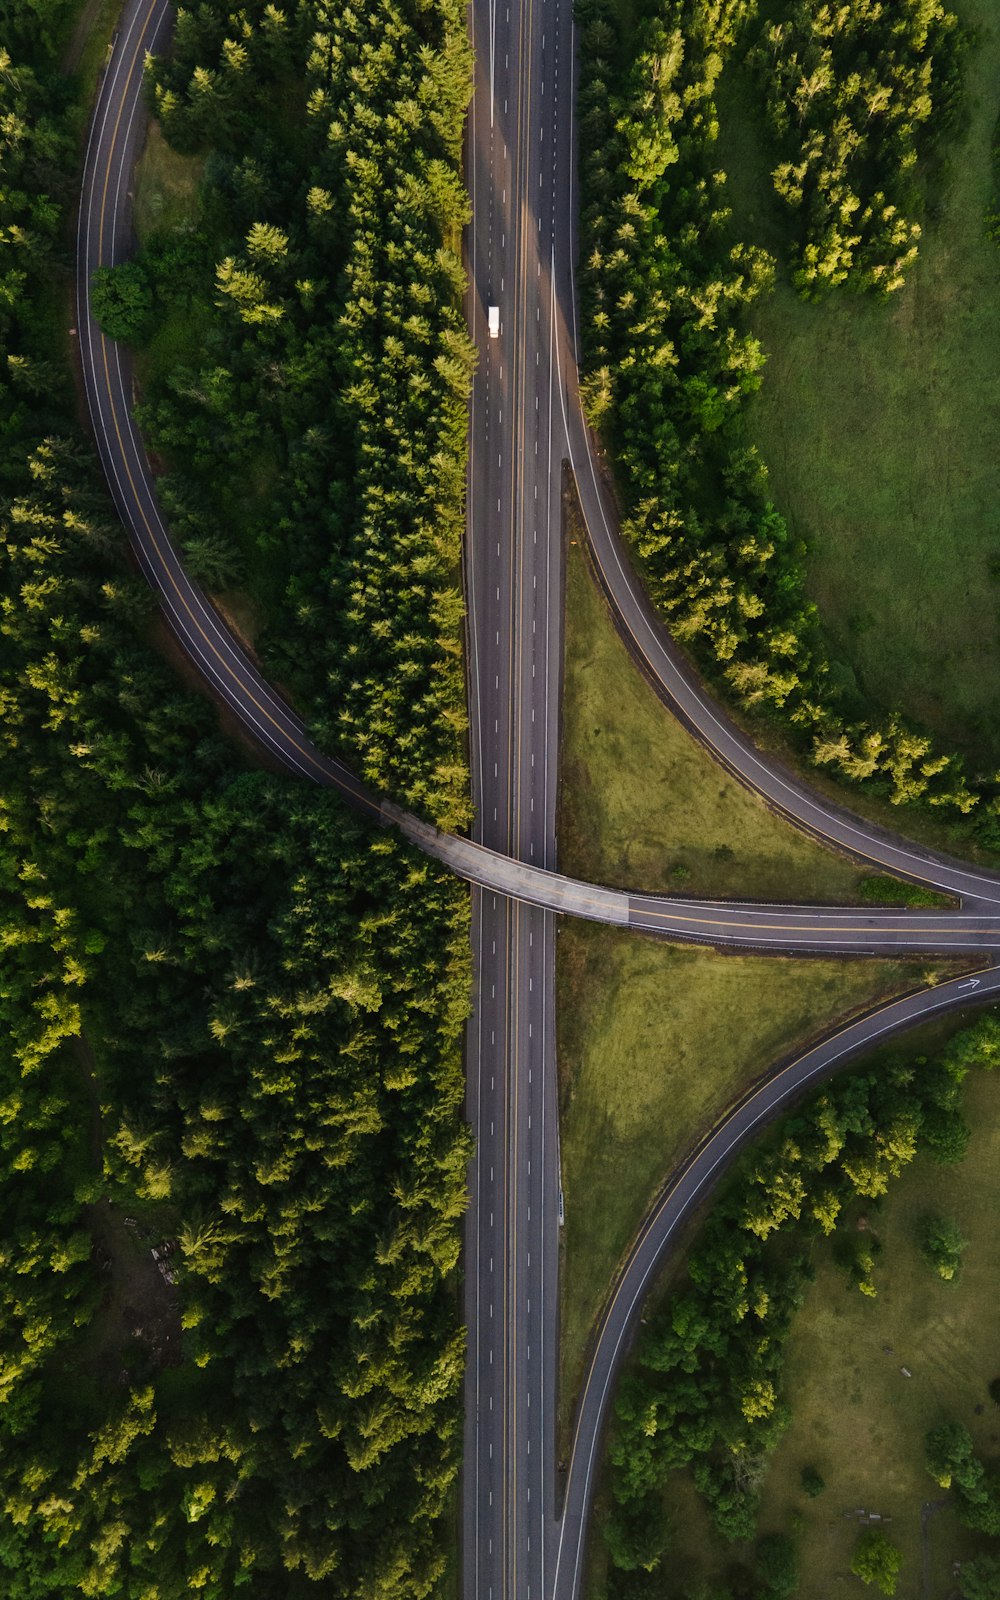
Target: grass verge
{"type": "Point", "coordinates": [167, 207]}
{"type": "Point", "coordinates": [875, 421]}
{"type": "Point", "coordinates": [643, 805]}
{"type": "Point", "coordinates": [166, 188]}
{"type": "Point", "coordinates": [90, 29]}
{"type": "Point", "coordinates": [655, 1041]}
{"type": "Point", "coordinates": [855, 1417]}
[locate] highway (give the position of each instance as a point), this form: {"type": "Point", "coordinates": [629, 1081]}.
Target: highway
{"type": "Point", "coordinates": [514, 581]}
{"type": "Point", "coordinates": [515, 162]}
{"type": "Point", "coordinates": [525, 421]}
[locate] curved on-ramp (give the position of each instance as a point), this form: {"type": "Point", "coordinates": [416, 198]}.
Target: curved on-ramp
{"type": "Point", "coordinates": [105, 239]}
{"type": "Point", "coordinates": [802, 930]}
{"type": "Point", "coordinates": [671, 675]}
{"type": "Point", "coordinates": [686, 1192]}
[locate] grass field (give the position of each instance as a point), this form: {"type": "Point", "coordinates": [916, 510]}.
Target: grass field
{"type": "Point", "coordinates": [878, 421]}
{"type": "Point", "coordinates": [655, 1041]}
{"type": "Point", "coordinates": [167, 202]}
{"type": "Point", "coordinates": [88, 39]}
{"type": "Point", "coordinates": [856, 1417]}
{"type": "Point", "coordinates": [166, 187]}
{"type": "Point", "coordinates": [643, 806]}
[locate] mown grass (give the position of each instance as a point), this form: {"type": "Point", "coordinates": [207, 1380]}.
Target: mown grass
{"type": "Point", "coordinates": [167, 188]}
{"type": "Point", "coordinates": [89, 30]}
{"type": "Point", "coordinates": [655, 1041]}
{"type": "Point", "coordinates": [643, 806]}
{"type": "Point", "coordinates": [855, 1416]}
{"type": "Point", "coordinates": [877, 422]}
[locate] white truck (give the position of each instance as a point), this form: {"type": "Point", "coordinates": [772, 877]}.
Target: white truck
{"type": "Point", "coordinates": [493, 316]}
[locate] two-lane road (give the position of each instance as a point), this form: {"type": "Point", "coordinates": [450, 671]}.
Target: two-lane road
{"type": "Point", "coordinates": [526, 419]}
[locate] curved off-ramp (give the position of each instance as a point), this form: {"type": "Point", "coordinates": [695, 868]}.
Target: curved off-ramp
{"type": "Point", "coordinates": [802, 930]}
{"type": "Point", "coordinates": [105, 238]}
{"type": "Point", "coordinates": [687, 1191]}
{"type": "Point", "coordinates": [670, 673]}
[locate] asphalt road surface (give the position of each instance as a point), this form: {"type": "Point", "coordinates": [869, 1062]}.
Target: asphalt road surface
{"type": "Point", "coordinates": [525, 420]}
{"type": "Point", "coordinates": [666, 667]}
{"type": "Point", "coordinates": [750, 925]}
{"type": "Point", "coordinates": [515, 161]}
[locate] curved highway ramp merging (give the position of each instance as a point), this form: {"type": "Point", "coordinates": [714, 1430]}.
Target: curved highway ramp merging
{"type": "Point", "coordinates": [104, 239]}
{"type": "Point", "coordinates": [518, 446]}
{"type": "Point", "coordinates": [525, 421]}
{"type": "Point", "coordinates": [685, 1193]}
{"type": "Point", "coordinates": [784, 929]}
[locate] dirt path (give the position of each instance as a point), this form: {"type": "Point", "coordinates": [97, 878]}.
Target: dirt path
{"type": "Point", "coordinates": [929, 1509]}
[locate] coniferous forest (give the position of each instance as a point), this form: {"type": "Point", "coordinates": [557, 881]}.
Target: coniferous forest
{"type": "Point", "coordinates": [858, 101]}
{"type": "Point", "coordinates": [706, 1389]}
{"type": "Point", "coordinates": [332, 363]}
{"type": "Point", "coordinates": [232, 1145]}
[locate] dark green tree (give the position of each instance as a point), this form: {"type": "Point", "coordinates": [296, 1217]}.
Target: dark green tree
{"type": "Point", "coordinates": [122, 302]}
